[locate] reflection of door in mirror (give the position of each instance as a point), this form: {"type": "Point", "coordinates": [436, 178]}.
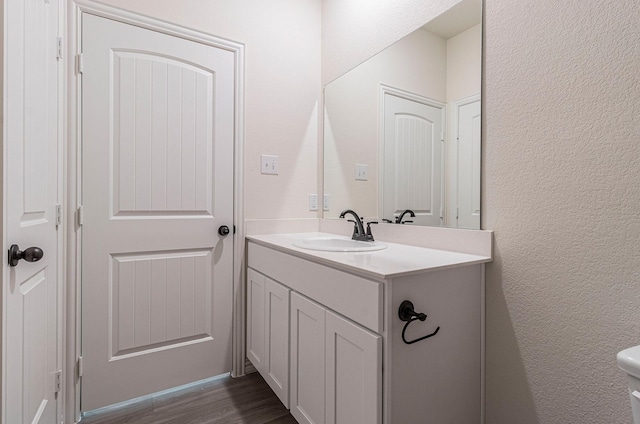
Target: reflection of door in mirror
{"type": "Point", "coordinates": [411, 162]}
{"type": "Point", "coordinates": [467, 127]}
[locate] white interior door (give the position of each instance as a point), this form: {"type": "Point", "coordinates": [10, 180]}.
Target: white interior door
{"type": "Point", "coordinates": [468, 178]}
{"type": "Point", "coordinates": [158, 127]}
{"type": "Point", "coordinates": [31, 290]}
{"type": "Point", "coordinates": [412, 160]}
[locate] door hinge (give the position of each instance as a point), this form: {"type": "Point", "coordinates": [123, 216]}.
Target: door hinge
{"type": "Point", "coordinates": [58, 215]}
{"type": "Point", "coordinates": [457, 213]}
{"type": "Point", "coordinates": [79, 63]}
{"type": "Point", "coordinates": [79, 366]}
{"type": "Point", "coordinates": [80, 216]}
{"type": "Point", "coordinates": [57, 381]}
{"type": "Point", "coordinates": [59, 47]}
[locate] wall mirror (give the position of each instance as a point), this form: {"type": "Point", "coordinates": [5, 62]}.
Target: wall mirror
{"type": "Point", "coordinates": [402, 129]}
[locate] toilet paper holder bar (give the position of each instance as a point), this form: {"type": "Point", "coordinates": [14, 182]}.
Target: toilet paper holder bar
{"type": "Point", "coordinates": [408, 314]}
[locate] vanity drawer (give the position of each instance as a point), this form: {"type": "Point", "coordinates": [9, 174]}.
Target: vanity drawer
{"type": "Point", "coordinates": [354, 297]}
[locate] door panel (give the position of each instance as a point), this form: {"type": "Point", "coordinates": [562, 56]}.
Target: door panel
{"type": "Point", "coordinates": [307, 360]}
{"type": "Point", "coordinates": [277, 339]}
{"type": "Point", "coordinates": [354, 373]}
{"type": "Point", "coordinates": [166, 107]}
{"type": "Point", "coordinates": [256, 294]}
{"type": "Point", "coordinates": [158, 119]}
{"type": "Point", "coordinates": [412, 160]}
{"type": "Point", "coordinates": [31, 324]}
{"type": "Point", "coordinates": [147, 313]}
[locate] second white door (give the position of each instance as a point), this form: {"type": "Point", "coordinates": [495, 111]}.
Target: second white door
{"type": "Point", "coordinates": [31, 296]}
{"type": "Point", "coordinates": [157, 278]}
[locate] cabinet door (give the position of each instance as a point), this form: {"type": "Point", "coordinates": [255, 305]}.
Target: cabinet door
{"type": "Point", "coordinates": [256, 292]}
{"type": "Point", "coordinates": [353, 373]}
{"type": "Point", "coordinates": [307, 360]}
{"type": "Point", "coordinates": [277, 339]}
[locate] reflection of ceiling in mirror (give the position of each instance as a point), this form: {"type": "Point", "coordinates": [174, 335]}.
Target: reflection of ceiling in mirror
{"type": "Point", "coordinates": [459, 18]}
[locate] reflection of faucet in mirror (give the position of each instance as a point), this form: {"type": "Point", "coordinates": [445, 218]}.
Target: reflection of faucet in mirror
{"type": "Point", "coordinates": [399, 218]}
{"type": "Point", "coordinates": [407, 211]}
{"type": "Point", "coordinates": [358, 228]}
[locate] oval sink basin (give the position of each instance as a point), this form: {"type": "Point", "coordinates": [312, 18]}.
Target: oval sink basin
{"type": "Point", "coordinates": [335, 244]}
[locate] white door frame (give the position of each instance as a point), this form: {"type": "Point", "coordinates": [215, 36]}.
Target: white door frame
{"type": "Point", "coordinates": [407, 95]}
{"type": "Point", "coordinates": [73, 169]}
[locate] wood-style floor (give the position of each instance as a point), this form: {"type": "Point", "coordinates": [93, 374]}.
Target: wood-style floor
{"type": "Point", "coordinates": [226, 400]}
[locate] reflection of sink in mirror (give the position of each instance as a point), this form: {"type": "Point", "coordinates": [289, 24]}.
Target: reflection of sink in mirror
{"type": "Point", "coordinates": [337, 244]}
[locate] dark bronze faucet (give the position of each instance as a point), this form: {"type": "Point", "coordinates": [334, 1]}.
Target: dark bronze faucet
{"type": "Point", "coordinates": [358, 229]}
{"type": "Point", "coordinates": [407, 211]}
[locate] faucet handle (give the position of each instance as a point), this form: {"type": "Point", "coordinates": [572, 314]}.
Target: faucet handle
{"type": "Point", "coordinates": [405, 222]}
{"type": "Point", "coordinates": [369, 234]}
{"type": "Point", "coordinates": [387, 221]}
{"type": "Point", "coordinates": [355, 227]}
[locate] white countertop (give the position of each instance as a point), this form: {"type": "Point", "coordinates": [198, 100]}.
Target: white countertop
{"type": "Point", "coordinates": [395, 261]}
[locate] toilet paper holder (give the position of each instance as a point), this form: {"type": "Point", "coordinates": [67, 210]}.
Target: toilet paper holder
{"type": "Point", "coordinates": [408, 314]}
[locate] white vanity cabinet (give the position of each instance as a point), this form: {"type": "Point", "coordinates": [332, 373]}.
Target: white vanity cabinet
{"type": "Point", "coordinates": [347, 360]}
{"type": "Point", "coordinates": [335, 364]}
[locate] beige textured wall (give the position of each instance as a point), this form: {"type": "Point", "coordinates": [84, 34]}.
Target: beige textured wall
{"type": "Point", "coordinates": [282, 89]}
{"type": "Point", "coordinates": [562, 192]}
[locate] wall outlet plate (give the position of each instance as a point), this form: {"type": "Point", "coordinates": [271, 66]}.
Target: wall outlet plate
{"type": "Point", "coordinates": [313, 202]}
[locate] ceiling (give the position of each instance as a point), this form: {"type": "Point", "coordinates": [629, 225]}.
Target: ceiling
{"type": "Point", "coordinates": [459, 18]}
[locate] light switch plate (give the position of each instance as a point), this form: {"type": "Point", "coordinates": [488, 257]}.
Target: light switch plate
{"type": "Point", "coordinates": [361, 172]}
{"type": "Point", "coordinates": [269, 164]}
{"type": "Point", "coordinates": [325, 202]}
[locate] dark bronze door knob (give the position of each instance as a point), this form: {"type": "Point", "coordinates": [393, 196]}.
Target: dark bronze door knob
{"type": "Point", "coordinates": [30, 254]}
